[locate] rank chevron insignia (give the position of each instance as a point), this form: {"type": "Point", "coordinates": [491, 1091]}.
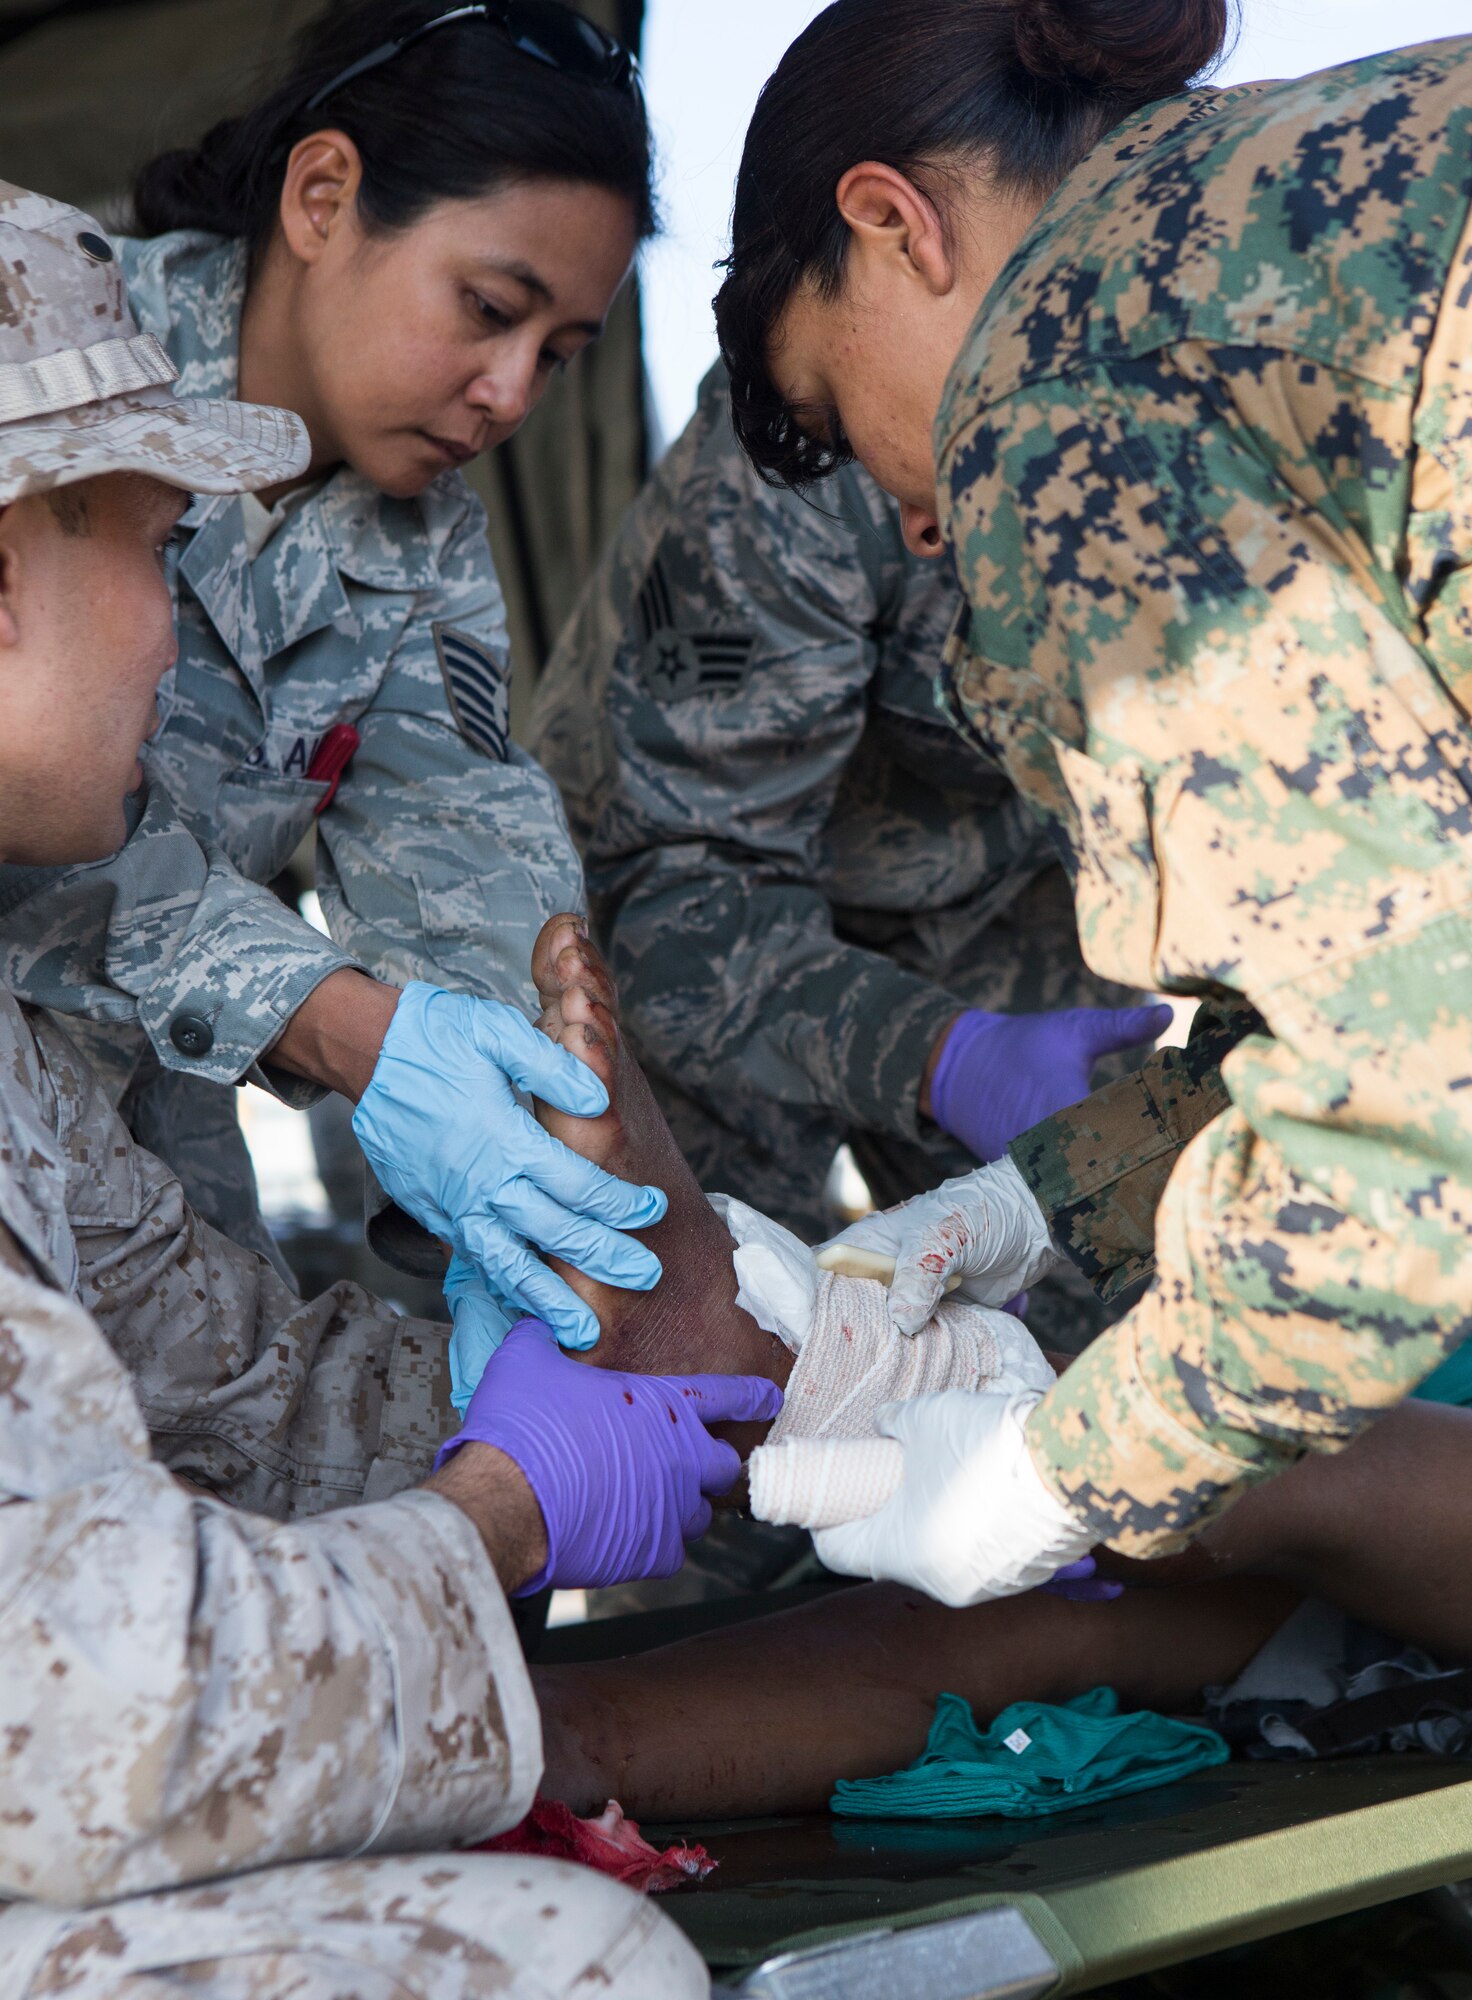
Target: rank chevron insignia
{"type": "Point", "coordinates": [680, 662]}
{"type": "Point", "coordinates": [477, 683]}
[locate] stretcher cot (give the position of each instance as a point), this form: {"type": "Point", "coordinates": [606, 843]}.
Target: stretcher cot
{"type": "Point", "coordinates": [826, 1909]}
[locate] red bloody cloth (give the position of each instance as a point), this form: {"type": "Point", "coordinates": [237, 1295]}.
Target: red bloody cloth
{"type": "Point", "coordinates": [613, 1845]}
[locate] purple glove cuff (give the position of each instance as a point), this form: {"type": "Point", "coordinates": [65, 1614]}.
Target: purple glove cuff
{"type": "Point", "coordinates": [953, 1086]}
{"type": "Point", "coordinates": [451, 1445]}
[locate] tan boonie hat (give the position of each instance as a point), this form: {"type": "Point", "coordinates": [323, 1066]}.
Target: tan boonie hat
{"type": "Point", "coordinates": [83, 392]}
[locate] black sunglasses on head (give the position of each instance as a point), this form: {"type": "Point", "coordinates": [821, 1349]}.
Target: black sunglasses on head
{"type": "Point", "coordinates": [548, 33]}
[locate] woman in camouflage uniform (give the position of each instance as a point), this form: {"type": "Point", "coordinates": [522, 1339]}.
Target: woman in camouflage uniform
{"type": "Point", "coordinates": [408, 284]}
{"type": "Point", "coordinates": [1202, 466]}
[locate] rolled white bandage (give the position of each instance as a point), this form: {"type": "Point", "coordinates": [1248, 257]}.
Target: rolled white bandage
{"type": "Point", "coordinates": [824, 1482]}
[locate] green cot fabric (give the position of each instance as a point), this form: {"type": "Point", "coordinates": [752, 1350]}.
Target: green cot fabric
{"type": "Point", "coordinates": [1452, 1381]}
{"type": "Point", "coordinates": [1035, 1759]}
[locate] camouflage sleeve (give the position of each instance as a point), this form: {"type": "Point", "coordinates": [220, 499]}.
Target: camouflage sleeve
{"type": "Point", "coordinates": [188, 1691]}
{"type": "Point", "coordinates": [282, 1405]}
{"type": "Point", "coordinates": [167, 933]}
{"type": "Point", "coordinates": [1099, 1169]}
{"type": "Point", "coordinates": [728, 645]}
{"type": "Point", "coordinates": [1229, 707]}
{"type": "Point", "coordinates": [446, 848]}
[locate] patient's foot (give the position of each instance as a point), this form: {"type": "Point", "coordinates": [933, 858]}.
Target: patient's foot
{"type": "Point", "coordinates": [690, 1323]}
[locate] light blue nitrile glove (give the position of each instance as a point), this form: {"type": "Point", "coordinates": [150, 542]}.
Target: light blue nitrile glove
{"type": "Point", "coordinates": [441, 1127]}
{"type": "Point", "coordinates": [1001, 1074]}
{"type": "Point", "coordinates": [482, 1322]}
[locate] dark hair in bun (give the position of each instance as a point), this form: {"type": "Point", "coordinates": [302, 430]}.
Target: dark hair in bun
{"type": "Point", "coordinates": [456, 115]}
{"type": "Point", "coordinates": [1024, 87]}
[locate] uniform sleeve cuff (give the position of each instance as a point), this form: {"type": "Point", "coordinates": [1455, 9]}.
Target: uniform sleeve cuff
{"type": "Point", "coordinates": [905, 1016]}
{"type": "Point", "coordinates": [469, 1732]}
{"type": "Point", "coordinates": [220, 1023]}
{"type": "Point", "coordinates": [1114, 1452]}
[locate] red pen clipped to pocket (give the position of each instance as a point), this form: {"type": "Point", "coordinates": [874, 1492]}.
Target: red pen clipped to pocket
{"type": "Point", "coordinates": [334, 753]}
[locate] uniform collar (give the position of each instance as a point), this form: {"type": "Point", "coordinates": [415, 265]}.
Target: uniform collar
{"type": "Point", "coordinates": [348, 531]}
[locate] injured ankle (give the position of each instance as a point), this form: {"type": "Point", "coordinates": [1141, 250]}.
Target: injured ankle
{"type": "Point", "coordinates": [824, 1463]}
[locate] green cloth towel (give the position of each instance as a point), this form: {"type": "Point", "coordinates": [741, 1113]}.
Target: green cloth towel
{"type": "Point", "coordinates": [1034, 1759]}
{"type": "Point", "coordinates": [1452, 1382]}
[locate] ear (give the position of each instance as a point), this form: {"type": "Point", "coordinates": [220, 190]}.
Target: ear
{"type": "Point", "coordinates": [9, 620]}
{"type": "Point", "coordinates": [319, 193]}
{"type": "Point", "coordinates": [893, 222]}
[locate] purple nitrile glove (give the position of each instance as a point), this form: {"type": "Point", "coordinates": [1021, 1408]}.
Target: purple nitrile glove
{"type": "Point", "coordinates": [1082, 1584]}
{"type": "Point", "coordinates": [620, 1464]}
{"type": "Point", "coordinates": [1001, 1074]}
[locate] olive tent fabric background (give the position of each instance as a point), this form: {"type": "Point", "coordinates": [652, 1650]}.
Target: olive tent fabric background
{"type": "Point", "coordinates": [90, 88]}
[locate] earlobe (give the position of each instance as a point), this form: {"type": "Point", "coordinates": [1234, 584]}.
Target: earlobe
{"type": "Point", "coordinates": [889, 216]}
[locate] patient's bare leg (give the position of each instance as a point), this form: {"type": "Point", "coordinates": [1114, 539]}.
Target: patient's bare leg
{"type": "Point", "coordinates": [691, 1321]}
{"type": "Point", "coordinates": [766, 1716]}
{"type": "Point", "coordinates": [1383, 1529]}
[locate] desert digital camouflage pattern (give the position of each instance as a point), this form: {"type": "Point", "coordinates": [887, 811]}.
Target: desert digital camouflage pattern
{"type": "Point", "coordinates": [281, 1405]}
{"type": "Point", "coordinates": [201, 1681]}
{"type": "Point", "coordinates": [254, 1669]}
{"type": "Point", "coordinates": [437, 1926]}
{"type": "Point", "coordinates": [83, 391]}
{"type": "Point", "coordinates": [800, 869]}
{"type": "Point", "coordinates": [445, 847]}
{"type": "Point", "coordinates": [1207, 460]}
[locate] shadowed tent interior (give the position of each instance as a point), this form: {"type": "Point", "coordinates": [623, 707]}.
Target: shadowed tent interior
{"type": "Point", "coordinates": [89, 89]}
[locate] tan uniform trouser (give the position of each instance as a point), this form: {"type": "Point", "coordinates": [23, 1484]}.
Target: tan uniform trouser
{"type": "Point", "coordinates": [426, 1927]}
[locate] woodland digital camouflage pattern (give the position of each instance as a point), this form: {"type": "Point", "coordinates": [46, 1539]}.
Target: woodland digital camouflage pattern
{"type": "Point", "coordinates": [438, 859]}
{"type": "Point", "coordinates": [199, 1682]}
{"type": "Point", "coordinates": [1208, 458]}
{"type": "Point", "coordinates": [802, 873]}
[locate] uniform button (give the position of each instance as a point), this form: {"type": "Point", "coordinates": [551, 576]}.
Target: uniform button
{"type": "Point", "coordinates": [191, 1035]}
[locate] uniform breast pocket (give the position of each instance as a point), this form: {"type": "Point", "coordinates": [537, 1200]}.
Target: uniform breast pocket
{"type": "Point", "coordinates": [1117, 880]}
{"type": "Point", "coordinates": [261, 818]}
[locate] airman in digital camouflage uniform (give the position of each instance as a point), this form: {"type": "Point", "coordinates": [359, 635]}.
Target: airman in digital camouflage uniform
{"type": "Point", "coordinates": [441, 853]}
{"type": "Point", "coordinates": [802, 873]}
{"type": "Point", "coordinates": [214, 1661]}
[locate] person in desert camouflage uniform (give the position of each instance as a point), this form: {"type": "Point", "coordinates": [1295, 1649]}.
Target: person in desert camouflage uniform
{"type": "Point", "coordinates": [240, 1706]}
{"type": "Point", "coordinates": [1202, 468]}
{"type": "Point", "coordinates": [343, 654]}
{"type": "Point", "coordinates": [803, 876]}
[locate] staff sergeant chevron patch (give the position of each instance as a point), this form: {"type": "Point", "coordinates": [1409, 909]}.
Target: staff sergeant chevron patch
{"type": "Point", "coordinates": [478, 686]}
{"type": "Point", "coordinates": [680, 663]}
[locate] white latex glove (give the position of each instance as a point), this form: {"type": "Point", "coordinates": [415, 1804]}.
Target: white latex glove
{"type": "Point", "coordinates": [972, 1519]}
{"type": "Point", "coordinates": [982, 1235]}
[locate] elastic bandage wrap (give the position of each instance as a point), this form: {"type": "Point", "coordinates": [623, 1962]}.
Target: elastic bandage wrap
{"type": "Point", "coordinates": [825, 1463]}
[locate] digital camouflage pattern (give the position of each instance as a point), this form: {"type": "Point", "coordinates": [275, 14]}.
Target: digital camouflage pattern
{"type": "Point", "coordinates": [84, 392]}
{"type": "Point", "coordinates": [255, 1668]}
{"type": "Point", "coordinates": [1207, 463]}
{"type": "Point", "coordinates": [438, 859]}
{"type": "Point", "coordinates": [1098, 1170]}
{"type": "Point", "coordinates": [801, 871]}
{"type": "Point", "coordinates": [435, 1926]}
{"type": "Point", "coordinates": [252, 1669]}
